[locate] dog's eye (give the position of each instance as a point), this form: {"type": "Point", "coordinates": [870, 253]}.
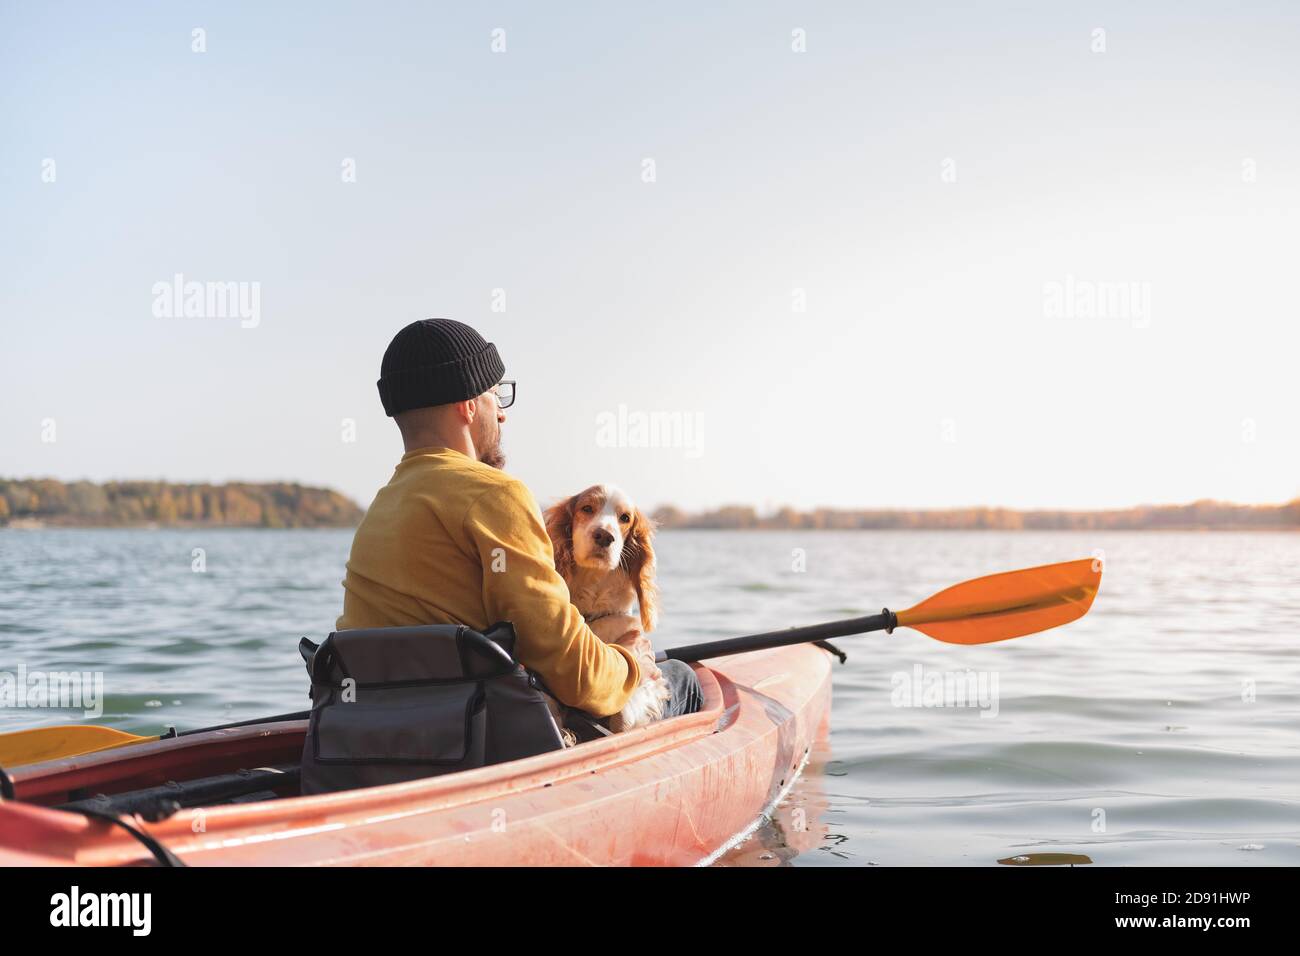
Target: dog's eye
{"type": "Point", "coordinates": [587, 510]}
{"type": "Point", "coordinates": [625, 518]}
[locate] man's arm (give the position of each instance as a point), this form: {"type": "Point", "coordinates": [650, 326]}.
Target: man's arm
{"type": "Point", "coordinates": [521, 585]}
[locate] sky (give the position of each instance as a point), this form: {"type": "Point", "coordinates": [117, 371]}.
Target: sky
{"type": "Point", "coordinates": [843, 255]}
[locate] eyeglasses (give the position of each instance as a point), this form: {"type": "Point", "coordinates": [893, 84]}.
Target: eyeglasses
{"type": "Point", "coordinates": [505, 393]}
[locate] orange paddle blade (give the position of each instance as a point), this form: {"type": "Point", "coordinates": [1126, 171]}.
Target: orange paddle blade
{"type": "Point", "coordinates": [21, 747]}
{"type": "Point", "coordinates": [1011, 604]}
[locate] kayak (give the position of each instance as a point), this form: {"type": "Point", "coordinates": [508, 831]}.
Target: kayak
{"type": "Point", "coordinates": [679, 792]}
{"type": "Point", "coordinates": [682, 791]}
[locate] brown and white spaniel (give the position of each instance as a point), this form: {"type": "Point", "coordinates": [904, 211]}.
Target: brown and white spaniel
{"type": "Point", "coordinates": [603, 550]}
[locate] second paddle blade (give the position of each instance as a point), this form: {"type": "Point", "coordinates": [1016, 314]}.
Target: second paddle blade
{"type": "Point", "coordinates": [1007, 605]}
{"type": "Point", "coordinates": [21, 747]}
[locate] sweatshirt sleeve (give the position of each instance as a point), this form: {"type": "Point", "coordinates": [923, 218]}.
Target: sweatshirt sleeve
{"type": "Point", "coordinates": [521, 585]}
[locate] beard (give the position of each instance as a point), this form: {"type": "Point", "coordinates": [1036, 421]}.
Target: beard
{"type": "Point", "coordinates": [493, 456]}
{"type": "Point", "coordinates": [489, 448]}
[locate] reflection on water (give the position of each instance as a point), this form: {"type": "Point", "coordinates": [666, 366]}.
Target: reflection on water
{"type": "Point", "coordinates": [1046, 859]}
{"type": "Point", "coordinates": [1163, 728]}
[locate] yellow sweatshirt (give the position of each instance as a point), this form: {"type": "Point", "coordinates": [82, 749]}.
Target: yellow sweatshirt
{"type": "Point", "coordinates": [450, 540]}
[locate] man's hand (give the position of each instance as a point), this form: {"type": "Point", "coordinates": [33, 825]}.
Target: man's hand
{"type": "Point", "coordinates": [641, 648]}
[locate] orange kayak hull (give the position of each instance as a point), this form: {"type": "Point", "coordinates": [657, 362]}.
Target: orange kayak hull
{"type": "Point", "coordinates": [676, 793]}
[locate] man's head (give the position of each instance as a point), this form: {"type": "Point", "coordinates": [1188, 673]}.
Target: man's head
{"type": "Point", "coordinates": [440, 378]}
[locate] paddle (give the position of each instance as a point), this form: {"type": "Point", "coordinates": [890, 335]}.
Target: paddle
{"type": "Point", "coordinates": [993, 608]}
{"type": "Point", "coordinates": [20, 747]}
{"type": "Point", "coordinates": [997, 607]}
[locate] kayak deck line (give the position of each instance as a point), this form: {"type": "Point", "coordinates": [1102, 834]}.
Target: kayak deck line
{"type": "Point", "coordinates": [768, 681]}
{"type": "Point", "coordinates": [672, 793]}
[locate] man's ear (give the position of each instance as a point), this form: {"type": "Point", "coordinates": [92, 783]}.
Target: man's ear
{"type": "Point", "coordinates": [559, 526]}
{"type": "Point", "coordinates": [467, 410]}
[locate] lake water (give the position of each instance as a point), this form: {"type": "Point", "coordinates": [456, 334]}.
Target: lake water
{"type": "Point", "coordinates": [1163, 728]}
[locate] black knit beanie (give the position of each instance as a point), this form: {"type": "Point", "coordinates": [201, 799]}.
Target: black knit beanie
{"type": "Point", "coordinates": [434, 362]}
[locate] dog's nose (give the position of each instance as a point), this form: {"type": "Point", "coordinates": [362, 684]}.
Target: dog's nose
{"type": "Point", "coordinates": [603, 537]}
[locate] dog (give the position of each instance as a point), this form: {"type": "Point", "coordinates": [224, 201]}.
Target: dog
{"type": "Point", "coordinates": [604, 551]}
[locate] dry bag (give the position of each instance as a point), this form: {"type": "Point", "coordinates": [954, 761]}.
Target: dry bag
{"type": "Point", "coordinates": [399, 703]}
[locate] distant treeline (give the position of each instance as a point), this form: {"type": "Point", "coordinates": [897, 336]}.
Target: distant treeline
{"type": "Point", "coordinates": [1198, 515]}
{"type": "Point", "coordinates": [240, 505]}
{"type": "Point", "coordinates": [282, 505]}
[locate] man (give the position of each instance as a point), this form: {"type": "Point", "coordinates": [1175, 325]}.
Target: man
{"type": "Point", "coordinates": [452, 539]}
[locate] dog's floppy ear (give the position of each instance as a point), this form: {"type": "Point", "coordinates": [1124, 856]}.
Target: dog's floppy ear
{"type": "Point", "coordinates": [559, 525]}
{"type": "Point", "coordinates": [638, 561]}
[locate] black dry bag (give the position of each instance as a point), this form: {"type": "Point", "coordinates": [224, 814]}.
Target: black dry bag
{"type": "Point", "coordinates": [392, 704]}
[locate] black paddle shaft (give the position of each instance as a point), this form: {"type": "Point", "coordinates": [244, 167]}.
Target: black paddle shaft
{"type": "Point", "coordinates": [278, 718]}
{"type": "Point", "coordinates": [884, 621]}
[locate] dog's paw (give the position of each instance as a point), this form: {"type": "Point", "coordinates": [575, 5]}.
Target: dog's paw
{"type": "Point", "coordinates": [645, 706]}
